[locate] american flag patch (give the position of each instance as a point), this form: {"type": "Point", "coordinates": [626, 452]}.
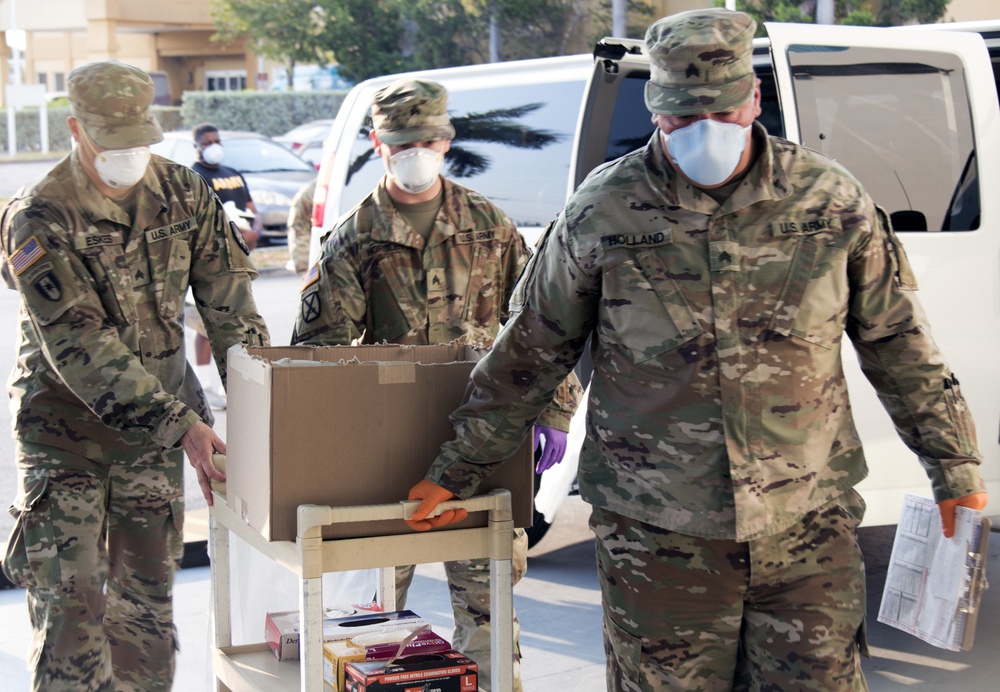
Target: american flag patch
{"type": "Point", "coordinates": [26, 255]}
{"type": "Point", "coordinates": [311, 278]}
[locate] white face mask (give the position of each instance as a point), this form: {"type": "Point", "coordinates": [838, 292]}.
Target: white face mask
{"type": "Point", "coordinates": [416, 169]}
{"type": "Point", "coordinates": [212, 154]}
{"type": "Point", "coordinates": [122, 168]}
{"type": "Point", "coordinates": [707, 151]}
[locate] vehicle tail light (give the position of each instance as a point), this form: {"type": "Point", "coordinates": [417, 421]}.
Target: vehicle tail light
{"type": "Point", "coordinates": [322, 187]}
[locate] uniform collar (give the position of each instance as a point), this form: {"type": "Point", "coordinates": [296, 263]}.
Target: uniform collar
{"type": "Point", "coordinates": [767, 178]}
{"type": "Point", "coordinates": [392, 227]}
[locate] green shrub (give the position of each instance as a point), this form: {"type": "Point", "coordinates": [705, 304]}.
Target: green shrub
{"type": "Point", "coordinates": [29, 135]}
{"type": "Point", "coordinates": [267, 112]}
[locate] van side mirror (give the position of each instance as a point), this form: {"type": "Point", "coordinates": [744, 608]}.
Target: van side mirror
{"type": "Point", "coordinates": [908, 220]}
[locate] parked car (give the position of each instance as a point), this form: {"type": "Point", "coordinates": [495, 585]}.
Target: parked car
{"type": "Point", "coordinates": [273, 173]}
{"type": "Point", "coordinates": [306, 140]}
{"type": "Point", "coordinates": [906, 110]}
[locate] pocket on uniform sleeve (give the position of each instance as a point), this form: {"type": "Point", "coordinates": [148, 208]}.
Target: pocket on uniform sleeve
{"type": "Point", "coordinates": [237, 252]}
{"type": "Point", "coordinates": [49, 290]}
{"type": "Point", "coordinates": [32, 558]}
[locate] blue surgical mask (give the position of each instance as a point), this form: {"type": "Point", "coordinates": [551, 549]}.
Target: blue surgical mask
{"type": "Point", "coordinates": [707, 151]}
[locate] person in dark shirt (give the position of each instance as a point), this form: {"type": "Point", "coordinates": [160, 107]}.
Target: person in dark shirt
{"type": "Point", "coordinates": [230, 186]}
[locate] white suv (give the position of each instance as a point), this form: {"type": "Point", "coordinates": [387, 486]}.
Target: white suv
{"type": "Point", "coordinates": [906, 110]}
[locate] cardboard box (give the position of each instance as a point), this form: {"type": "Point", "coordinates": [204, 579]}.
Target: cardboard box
{"type": "Point", "coordinates": [347, 425]}
{"type": "Point", "coordinates": [448, 671]}
{"type": "Point", "coordinates": [336, 655]}
{"type": "Point", "coordinates": [281, 630]}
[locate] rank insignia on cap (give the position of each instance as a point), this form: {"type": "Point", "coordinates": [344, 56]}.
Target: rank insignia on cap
{"type": "Point", "coordinates": [26, 255]}
{"type": "Point", "coordinates": [48, 286]}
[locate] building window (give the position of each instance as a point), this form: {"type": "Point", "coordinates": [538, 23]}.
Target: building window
{"type": "Point", "coordinates": [60, 78]}
{"type": "Point", "coordinates": [225, 80]}
{"type": "Point", "coordinates": [43, 79]}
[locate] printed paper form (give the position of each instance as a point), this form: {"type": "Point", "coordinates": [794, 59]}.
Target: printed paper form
{"type": "Point", "coordinates": [928, 573]}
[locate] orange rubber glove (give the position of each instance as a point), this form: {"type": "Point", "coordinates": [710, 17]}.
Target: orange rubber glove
{"type": "Point", "coordinates": [947, 508]}
{"type": "Point", "coordinates": [431, 495]}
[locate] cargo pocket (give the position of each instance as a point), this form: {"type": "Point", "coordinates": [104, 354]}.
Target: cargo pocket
{"type": "Point", "coordinates": [482, 300]}
{"type": "Point", "coordinates": [861, 639]}
{"type": "Point", "coordinates": [396, 309]}
{"type": "Point", "coordinates": [32, 558]}
{"type": "Point", "coordinates": [813, 300]}
{"type": "Point", "coordinates": [110, 284]}
{"type": "Point", "coordinates": [643, 310]}
{"type": "Point", "coordinates": [175, 532]}
{"type": "Point", "coordinates": [175, 282]}
{"type": "Point", "coordinates": [626, 652]}
{"type": "Point", "coordinates": [958, 411]}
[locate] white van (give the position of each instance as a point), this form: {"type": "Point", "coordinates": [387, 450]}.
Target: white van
{"type": "Point", "coordinates": [907, 110]}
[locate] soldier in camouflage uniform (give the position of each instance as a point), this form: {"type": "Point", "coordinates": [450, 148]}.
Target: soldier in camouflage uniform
{"type": "Point", "coordinates": [300, 227]}
{"type": "Point", "coordinates": [102, 251]}
{"type": "Point", "coordinates": [422, 260]}
{"type": "Point", "coordinates": [718, 270]}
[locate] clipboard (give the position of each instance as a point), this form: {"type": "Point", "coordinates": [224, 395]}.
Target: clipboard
{"type": "Point", "coordinates": [972, 599]}
{"type": "Point", "coordinates": [934, 586]}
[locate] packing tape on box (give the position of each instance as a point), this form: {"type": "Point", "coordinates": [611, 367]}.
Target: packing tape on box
{"type": "Point", "coordinates": [397, 373]}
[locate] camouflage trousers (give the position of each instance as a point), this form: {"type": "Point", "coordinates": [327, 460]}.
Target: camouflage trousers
{"type": "Point", "coordinates": [783, 612]}
{"type": "Point", "coordinates": [469, 586]}
{"type": "Point", "coordinates": [95, 544]}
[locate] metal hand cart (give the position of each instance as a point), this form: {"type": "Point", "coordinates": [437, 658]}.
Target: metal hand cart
{"type": "Point", "coordinates": [254, 666]}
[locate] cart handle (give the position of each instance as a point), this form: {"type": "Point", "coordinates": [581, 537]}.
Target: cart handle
{"type": "Point", "coordinates": [311, 517]}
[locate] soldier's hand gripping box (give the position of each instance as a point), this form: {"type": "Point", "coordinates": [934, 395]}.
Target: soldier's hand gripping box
{"type": "Point", "coordinates": [447, 671]}
{"type": "Point", "coordinates": [346, 426]}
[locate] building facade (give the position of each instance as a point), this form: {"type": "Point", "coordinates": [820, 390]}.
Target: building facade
{"type": "Point", "coordinates": [173, 37]}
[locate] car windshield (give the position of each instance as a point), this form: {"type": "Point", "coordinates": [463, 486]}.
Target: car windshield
{"type": "Point", "coordinates": [252, 155]}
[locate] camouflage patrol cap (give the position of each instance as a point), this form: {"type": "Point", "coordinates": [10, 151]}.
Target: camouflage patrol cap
{"type": "Point", "coordinates": [701, 61]}
{"type": "Point", "coordinates": [411, 110]}
{"type": "Point", "coordinates": [111, 100]}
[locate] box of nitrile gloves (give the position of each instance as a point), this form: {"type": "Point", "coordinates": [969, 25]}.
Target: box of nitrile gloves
{"type": "Point", "coordinates": [345, 426]}
{"type": "Point", "coordinates": [376, 647]}
{"type": "Point", "coordinates": [446, 671]}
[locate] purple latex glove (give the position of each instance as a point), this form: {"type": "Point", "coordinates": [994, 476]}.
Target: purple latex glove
{"type": "Point", "coordinates": [555, 447]}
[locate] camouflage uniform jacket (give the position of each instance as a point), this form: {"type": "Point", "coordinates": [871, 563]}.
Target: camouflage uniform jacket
{"type": "Point", "coordinates": [101, 367]}
{"type": "Point", "coordinates": [300, 226]}
{"type": "Point", "coordinates": [378, 280]}
{"type": "Point", "coordinates": [719, 407]}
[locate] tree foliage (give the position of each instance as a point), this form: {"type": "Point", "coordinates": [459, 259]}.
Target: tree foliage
{"type": "Point", "coordinates": [290, 31]}
{"type": "Point", "coordinates": [854, 12]}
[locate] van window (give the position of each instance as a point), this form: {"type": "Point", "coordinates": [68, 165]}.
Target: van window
{"type": "Point", "coordinates": [866, 107]}
{"type": "Point", "coordinates": [513, 145]}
